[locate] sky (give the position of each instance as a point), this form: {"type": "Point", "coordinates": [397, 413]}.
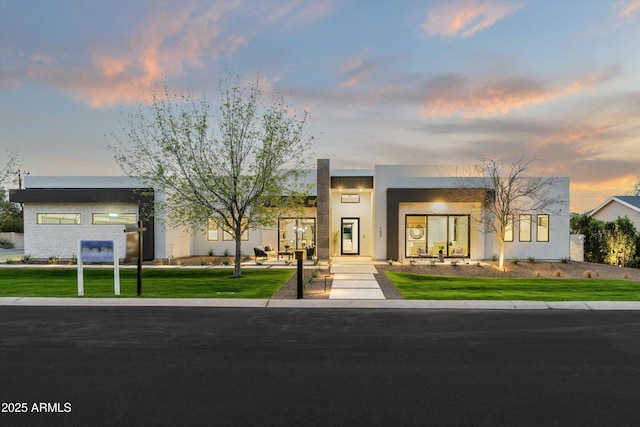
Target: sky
{"type": "Point", "coordinates": [385, 82]}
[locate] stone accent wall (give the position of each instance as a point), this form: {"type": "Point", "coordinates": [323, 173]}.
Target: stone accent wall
{"type": "Point", "coordinates": [323, 202]}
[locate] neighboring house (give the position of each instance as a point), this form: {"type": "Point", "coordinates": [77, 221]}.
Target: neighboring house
{"type": "Point", "coordinates": [395, 212]}
{"type": "Point", "coordinates": [619, 206]}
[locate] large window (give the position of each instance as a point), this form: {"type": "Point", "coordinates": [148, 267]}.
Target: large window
{"type": "Point", "coordinates": [227, 235]}
{"type": "Point", "coordinates": [508, 229]}
{"type": "Point", "coordinates": [525, 228]}
{"type": "Point", "coordinates": [427, 235]}
{"type": "Point", "coordinates": [296, 233]}
{"type": "Point", "coordinates": [114, 218]}
{"type": "Point", "coordinates": [542, 232]}
{"type": "Point", "coordinates": [58, 218]}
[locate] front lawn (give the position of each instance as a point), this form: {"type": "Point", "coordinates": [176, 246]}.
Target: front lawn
{"type": "Point", "coordinates": [156, 283]}
{"type": "Point", "coordinates": [422, 286]}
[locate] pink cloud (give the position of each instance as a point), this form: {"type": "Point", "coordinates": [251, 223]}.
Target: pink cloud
{"type": "Point", "coordinates": [627, 8]}
{"type": "Point", "coordinates": [457, 95]}
{"type": "Point", "coordinates": [466, 17]}
{"type": "Point", "coordinates": [356, 69]}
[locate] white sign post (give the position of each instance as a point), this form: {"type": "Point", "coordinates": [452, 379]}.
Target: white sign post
{"type": "Point", "coordinates": [98, 251]}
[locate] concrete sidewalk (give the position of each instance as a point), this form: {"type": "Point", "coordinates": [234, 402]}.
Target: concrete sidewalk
{"type": "Point", "coordinates": [323, 303]}
{"type": "Point", "coordinates": [354, 280]}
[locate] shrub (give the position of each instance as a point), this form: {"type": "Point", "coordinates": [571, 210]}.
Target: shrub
{"type": "Point", "coordinates": [626, 275]}
{"type": "Point", "coordinates": [210, 253]}
{"type": "Point", "coordinates": [26, 259]}
{"type": "Point", "coordinates": [6, 244]}
{"type": "Point", "coordinates": [557, 273]}
{"type": "Point", "coordinates": [537, 273]}
{"type": "Point", "coordinates": [531, 259]}
{"type": "Point", "coordinates": [587, 274]}
{"type": "Point", "coordinates": [158, 261]}
{"type": "Point", "coordinates": [565, 260]}
{"type": "Point", "coordinates": [226, 252]}
{"type": "Point", "coordinates": [478, 264]}
{"type": "Point", "coordinates": [454, 262]}
{"type": "Point", "coordinates": [53, 260]}
{"type": "Point", "coordinates": [515, 260]}
{"type": "Point", "coordinates": [494, 257]}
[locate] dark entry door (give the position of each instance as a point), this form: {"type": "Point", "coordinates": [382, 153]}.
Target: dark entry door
{"type": "Point", "coordinates": [350, 236]}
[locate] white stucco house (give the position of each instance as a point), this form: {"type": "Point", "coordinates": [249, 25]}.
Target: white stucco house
{"type": "Point", "coordinates": [619, 206]}
{"type": "Point", "coordinates": [398, 212]}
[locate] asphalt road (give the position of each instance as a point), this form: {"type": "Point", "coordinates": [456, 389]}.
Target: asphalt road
{"type": "Point", "coordinates": [241, 367]}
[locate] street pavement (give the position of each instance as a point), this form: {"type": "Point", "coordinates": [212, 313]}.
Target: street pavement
{"type": "Point", "coordinates": [132, 366]}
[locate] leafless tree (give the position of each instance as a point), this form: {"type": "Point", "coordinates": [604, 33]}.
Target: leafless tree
{"type": "Point", "coordinates": [511, 191]}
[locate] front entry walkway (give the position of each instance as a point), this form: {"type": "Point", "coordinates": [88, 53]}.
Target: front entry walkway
{"type": "Point", "coordinates": [353, 278]}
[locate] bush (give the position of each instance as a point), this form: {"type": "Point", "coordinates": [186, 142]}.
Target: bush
{"type": "Point", "coordinates": [531, 259]}
{"type": "Point", "coordinates": [515, 260]}
{"type": "Point", "coordinates": [557, 273]}
{"type": "Point", "coordinates": [565, 260]}
{"type": "Point", "coordinates": [53, 260]}
{"type": "Point", "coordinates": [587, 274]}
{"type": "Point", "coordinates": [6, 244]}
{"type": "Point", "coordinates": [26, 259]}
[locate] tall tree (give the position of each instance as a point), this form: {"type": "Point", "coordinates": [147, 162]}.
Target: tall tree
{"type": "Point", "coordinates": [593, 230]}
{"type": "Point", "coordinates": [239, 165]}
{"type": "Point", "coordinates": [511, 192]}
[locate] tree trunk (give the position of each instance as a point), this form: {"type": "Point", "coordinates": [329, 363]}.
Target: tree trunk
{"type": "Point", "coordinates": [501, 265]}
{"type": "Point", "coordinates": [238, 257]}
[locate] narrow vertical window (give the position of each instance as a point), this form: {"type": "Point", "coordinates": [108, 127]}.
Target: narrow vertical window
{"type": "Point", "coordinates": [542, 233]}
{"type": "Point", "coordinates": [508, 229]}
{"type": "Point", "coordinates": [212, 230]}
{"type": "Point", "coordinates": [525, 228]}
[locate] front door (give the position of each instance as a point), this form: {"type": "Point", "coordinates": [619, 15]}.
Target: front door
{"type": "Point", "coordinates": [350, 236]}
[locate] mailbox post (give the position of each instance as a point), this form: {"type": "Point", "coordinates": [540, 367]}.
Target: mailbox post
{"type": "Point", "coordinates": [139, 230]}
{"type": "Point", "coordinates": [300, 258]}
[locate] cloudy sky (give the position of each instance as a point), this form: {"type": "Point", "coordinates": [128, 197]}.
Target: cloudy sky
{"type": "Point", "coordinates": [386, 82]}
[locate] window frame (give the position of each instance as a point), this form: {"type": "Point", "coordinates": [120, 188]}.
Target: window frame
{"type": "Point", "coordinates": [508, 229]}
{"type": "Point", "coordinates": [77, 221]}
{"type": "Point", "coordinates": [546, 228]}
{"type": "Point", "coordinates": [211, 229]}
{"type": "Point", "coordinates": [228, 237]}
{"type": "Point", "coordinates": [523, 218]}
{"type": "Point", "coordinates": [109, 215]}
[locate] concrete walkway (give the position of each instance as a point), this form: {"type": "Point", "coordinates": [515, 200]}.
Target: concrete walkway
{"type": "Point", "coordinates": [353, 279]}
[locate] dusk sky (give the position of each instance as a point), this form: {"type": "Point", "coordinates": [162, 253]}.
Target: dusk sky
{"type": "Point", "coordinates": [386, 82]}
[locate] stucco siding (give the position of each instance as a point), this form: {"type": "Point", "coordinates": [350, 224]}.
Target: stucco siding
{"type": "Point", "coordinates": [614, 209]}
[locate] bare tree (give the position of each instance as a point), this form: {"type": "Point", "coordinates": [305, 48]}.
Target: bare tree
{"type": "Point", "coordinates": [8, 164]}
{"type": "Point", "coordinates": [511, 192]}
{"type": "Point", "coordinates": [240, 166]}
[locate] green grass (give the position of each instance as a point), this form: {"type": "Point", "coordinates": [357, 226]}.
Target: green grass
{"type": "Point", "coordinates": [421, 286]}
{"type": "Point", "coordinates": [156, 283]}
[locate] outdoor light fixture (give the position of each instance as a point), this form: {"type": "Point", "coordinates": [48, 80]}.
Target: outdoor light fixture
{"type": "Point", "coordinates": [113, 215]}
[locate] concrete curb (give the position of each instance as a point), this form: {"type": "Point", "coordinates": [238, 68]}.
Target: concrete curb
{"type": "Point", "coordinates": [322, 303]}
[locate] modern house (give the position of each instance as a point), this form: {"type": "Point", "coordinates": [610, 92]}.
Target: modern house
{"type": "Point", "coordinates": [619, 206]}
{"type": "Point", "coordinates": [395, 212]}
